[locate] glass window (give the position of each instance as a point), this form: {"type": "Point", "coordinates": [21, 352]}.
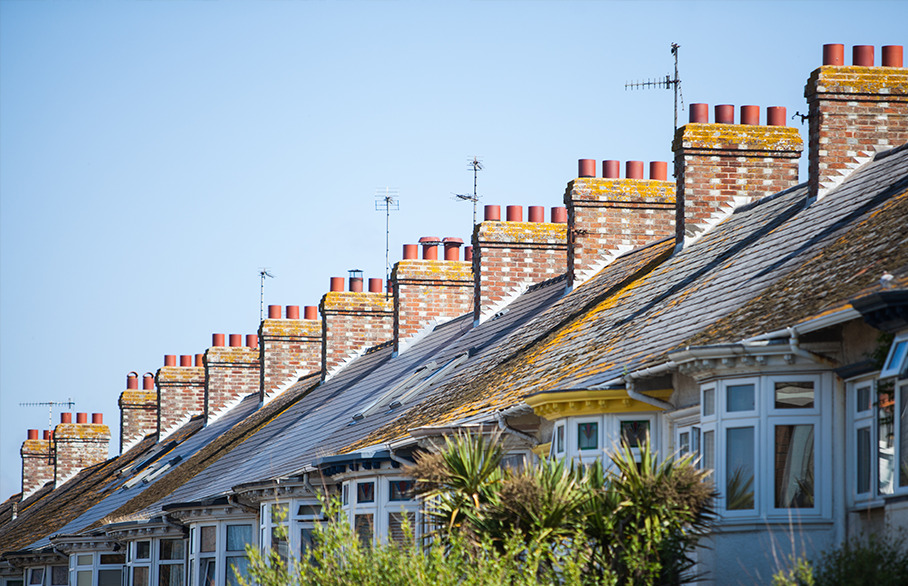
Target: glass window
{"type": "Point", "coordinates": [113, 558]}
{"type": "Point", "coordinates": [208, 538]}
{"type": "Point", "coordinates": [83, 578]}
{"type": "Point", "coordinates": [363, 526]}
{"type": "Point", "coordinates": [739, 398]}
{"type": "Point", "coordinates": [885, 436]}
{"type": "Point", "coordinates": [863, 399]}
{"type": "Point", "coordinates": [172, 549]}
{"type": "Point", "coordinates": [84, 560]}
{"type": "Point", "coordinates": [236, 565]}
{"type": "Point", "coordinates": [709, 450]}
{"type": "Point", "coordinates": [110, 577]}
{"type": "Point", "coordinates": [208, 572]}
{"type": "Point", "coordinates": [401, 490]}
{"type": "Point", "coordinates": [307, 539]}
{"type": "Point", "coordinates": [588, 436]}
{"type": "Point", "coordinates": [309, 511]}
{"type": "Point", "coordinates": [345, 499]}
{"type": "Point", "coordinates": [863, 460]}
{"type": "Point", "coordinates": [559, 439]}
{"type": "Point", "coordinates": [709, 402]}
{"type": "Point", "coordinates": [794, 477]}
{"type": "Point", "coordinates": [365, 492]}
{"type": "Point", "coordinates": [794, 395]}
{"type": "Point", "coordinates": [143, 550]}
{"type": "Point", "coordinates": [36, 576]}
{"type": "Point", "coordinates": [59, 575]}
{"type": "Point", "coordinates": [896, 360]}
{"type": "Point", "coordinates": [634, 433]}
{"type": "Point", "coordinates": [238, 536]}
{"type": "Point", "coordinates": [170, 575]}
{"type": "Point", "coordinates": [396, 530]}
{"type": "Point", "coordinates": [140, 576]}
{"type": "Point", "coordinates": [903, 436]}
{"type": "Point", "coordinates": [739, 468]}
{"type": "Point", "coordinates": [684, 443]}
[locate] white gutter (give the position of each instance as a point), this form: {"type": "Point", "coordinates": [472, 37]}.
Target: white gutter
{"type": "Point", "coordinates": [503, 426]}
{"type": "Point", "coordinates": [811, 325]}
{"type": "Point", "coordinates": [629, 378]}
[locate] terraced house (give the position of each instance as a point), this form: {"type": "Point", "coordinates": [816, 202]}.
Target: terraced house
{"type": "Point", "coordinates": [737, 313]}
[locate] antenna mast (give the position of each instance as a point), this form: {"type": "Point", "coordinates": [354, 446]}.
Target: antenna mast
{"type": "Point", "coordinates": [476, 165]}
{"type": "Point", "coordinates": [50, 408]}
{"type": "Point", "coordinates": [387, 201]}
{"type": "Point", "coordinates": [263, 272]}
{"type": "Point", "coordinates": [667, 83]}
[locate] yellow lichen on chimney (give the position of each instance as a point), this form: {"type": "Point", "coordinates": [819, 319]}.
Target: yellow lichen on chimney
{"type": "Point", "coordinates": [739, 137]}
{"type": "Point", "coordinates": [180, 373]}
{"type": "Point", "coordinates": [523, 232]}
{"type": "Point", "coordinates": [81, 431]}
{"type": "Point", "coordinates": [443, 270]}
{"type": "Point", "coordinates": [292, 328]}
{"type": "Point", "coordinates": [138, 398]}
{"type": "Point", "coordinates": [623, 190]}
{"type": "Point", "coordinates": [859, 80]}
{"type": "Point", "coordinates": [227, 354]}
{"type": "Point", "coordinates": [348, 301]}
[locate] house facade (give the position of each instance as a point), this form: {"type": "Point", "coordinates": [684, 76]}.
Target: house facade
{"type": "Point", "coordinates": [736, 313]}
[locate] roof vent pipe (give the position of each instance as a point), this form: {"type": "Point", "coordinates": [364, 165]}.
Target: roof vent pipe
{"type": "Point", "coordinates": [236, 340]}
{"type": "Point", "coordinates": [132, 381]}
{"type": "Point", "coordinates": [274, 312]}
{"type": "Point", "coordinates": [148, 382]}
{"type": "Point", "coordinates": [559, 215]}
{"type": "Point", "coordinates": [515, 213]}
{"type": "Point", "coordinates": [611, 169]}
{"type": "Point", "coordinates": [892, 56]}
{"type": "Point", "coordinates": [311, 312]}
{"type": "Point", "coordinates": [536, 214]}
{"type": "Point", "coordinates": [375, 285]}
{"type": "Point", "coordinates": [492, 213]}
{"type": "Point", "coordinates": [293, 312]}
{"type": "Point", "coordinates": [218, 340]}
{"type": "Point", "coordinates": [862, 55]}
{"type": "Point", "coordinates": [834, 54]}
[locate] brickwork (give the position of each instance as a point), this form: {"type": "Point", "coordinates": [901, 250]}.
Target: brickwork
{"type": "Point", "coordinates": [353, 322]}
{"type": "Point", "coordinates": [289, 348]}
{"type": "Point", "coordinates": [720, 166]}
{"type": "Point", "coordinates": [138, 415]}
{"type": "Point", "coordinates": [230, 373]}
{"type": "Point", "coordinates": [508, 254]}
{"type": "Point", "coordinates": [425, 290]}
{"type": "Point", "coordinates": [37, 464]}
{"type": "Point", "coordinates": [78, 446]}
{"type": "Point", "coordinates": [606, 216]}
{"type": "Point", "coordinates": [181, 394]}
{"type": "Point", "coordinates": [853, 112]}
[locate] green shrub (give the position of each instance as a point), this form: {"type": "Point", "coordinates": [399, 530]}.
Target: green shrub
{"type": "Point", "coordinates": [874, 561]}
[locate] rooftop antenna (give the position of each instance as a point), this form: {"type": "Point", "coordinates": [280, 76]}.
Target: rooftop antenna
{"type": "Point", "coordinates": [476, 166]}
{"type": "Point", "coordinates": [387, 200]}
{"type": "Point", "coordinates": [673, 83]}
{"type": "Point", "coordinates": [263, 272]}
{"type": "Point", "coordinates": [69, 403]}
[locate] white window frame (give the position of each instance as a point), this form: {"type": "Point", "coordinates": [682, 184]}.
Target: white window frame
{"type": "Point", "coordinates": [94, 566]}
{"type": "Point", "coordinates": [220, 553]}
{"type": "Point", "coordinates": [381, 507]}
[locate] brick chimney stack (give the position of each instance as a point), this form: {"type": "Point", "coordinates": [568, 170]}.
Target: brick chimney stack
{"type": "Point", "coordinates": [854, 112]}
{"type": "Point", "coordinates": [37, 462]}
{"type": "Point", "coordinates": [428, 289]}
{"type": "Point", "coordinates": [353, 320]}
{"type": "Point", "coordinates": [608, 216]}
{"type": "Point", "coordinates": [721, 165]}
{"type": "Point", "coordinates": [79, 445]}
{"type": "Point", "coordinates": [290, 347]}
{"type": "Point", "coordinates": [138, 409]}
{"type": "Point", "coordinates": [181, 391]}
{"type": "Point", "coordinates": [231, 372]}
{"type": "Point", "coordinates": [509, 254]}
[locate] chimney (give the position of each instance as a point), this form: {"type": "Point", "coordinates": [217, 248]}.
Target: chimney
{"type": "Point", "coordinates": [37, 462]}
{"type": "Point", "coordinates": [181, 392]}
{"type": "Point", "coordinates": [513, 253]}
{"type": "Point", "coordinates": [854, 111]}
{"type": "Point", "coordinates": [138, 409]}
{"type": "Point", "coordinates": [608, 216]}
{"type": "Point", "coordinates": [231, 372]}
{"type": "Point", "coordinates": [79, 445]}
{"type": "Point", "coordinates": [721, 165]}
{"type": "Point", "coordinates": [353, 321]}
{"type": "Point", "coordinates": [290, 347]}
{"type": "Point", "coordinates": [429, 289]}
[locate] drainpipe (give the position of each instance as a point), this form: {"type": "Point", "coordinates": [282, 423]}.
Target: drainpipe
{"type": "Point", "coordinates": [630, 377]}
{"type": "Point", "coordinates": [796, 349]}
{"type": "Point", "coordinates": [503, 426]}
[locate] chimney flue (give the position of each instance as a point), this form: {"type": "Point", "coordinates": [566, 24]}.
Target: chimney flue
{"type": "Point", "coordinates": [170, 360]}
{"type": "Point", "coordinates": [32, 434]}
{"type": "Point", "coordinates": [633, 170]}
{"type": "Point", "coordinates": [186, 360]}
{"type": "Point", "coordinates": [776, 116]}
{"type": "Point", "coordinates": [356, 284]}
{"type": "Point", "coordinates": [699, 113]}
{"type": "Point", "coordinates": [66, 418]}
{"type": "Point", "coordinates": [892, 56]}
{"type": "Point", "coordinates": [586, 168]}
{"type": "Point", "coordinates": [611, 169]}
{"type": "Point", "coordinates": [311, 312]}
{"type": "Point", "coordinates": [468, 253]}
{"type": "Point", "coordinates": [97, 418]}
{"type": "Point", "coordinates": [81, 417]}
{"type": "Point", "coordinates": [862, 55]}
{"type": "Point", "coordinates": [200, 360]}
{"type": "Point", "coordinates": [337, 284]}
{"type": "Point", "coordinates": [515, 213]}
{"type": "Point", "coordinates": [536, 214]}
{"type": "Point", "coordinates": [132, 381]}
{"type": "Point", "coordinates": [452, 248]}
{"type": "Point", "coordinates": [274, 312]}
{"type": "Point", "coordinates": [834, 54]}
{"type": "Point", "coordinates": [375, 285]}
{"type": "Point", "coordinates": [559, 215]}
{"type": "Point", "coordinates": [658, 170]}
{"type": "Point", "coordinates": [492, 213]}
{"type": "Point", "coordinates": [293, 312]}
{"type": "Point", "coordinates": [236, 340]}
{"type": "Point", "coordinates": [218, 340]}
{"type": "Point", "coordinates": [725, 114]}
{"type": "Point", "coordinates": [411, 251]}
{"type": "Point", "coordinates": [148, 382]}
{"type": "Point", "coordinates": [429, 247]}
{"type": "Point", "coordinates": [750, 115]}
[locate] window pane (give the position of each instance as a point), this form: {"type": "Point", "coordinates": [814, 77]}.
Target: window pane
{"type": "Point", "coordinates": [279, 541]}
{"type": "Point", "coordinates": [709, 402]}
{"type": "Point", "coordinates": [588, 436]}
{"type": "Point", "coordinates": [83, 578]}
{"type": "Point", "coordinates": [794, 479]}
{"type": "Point", "coordinates": [208, 538]}
{"type": "Point", "coordinates": [634, 433]}
{"type": "Point", "coordinates": [140, 576]}
{"type": "Point", "coordinates": [739, 398]}
{"type": "Point", "coordinates": [207, 572]}
{"type": "Point", "coordinates": [739, 468]}
{"type": "Point", "coordinates": [365, 492]}
{"type": "Point", "coordinates": [59, 575]}
{"type": "Point", "coordinates": [113, 558]}
{"type": "Point", "coordinates": [559, 439]}
{"type": "Point", "coordinates": [279, 512]}
{"type": "Point", "coordinates": [238, 536]}
{"type": "Point", "coordinates": [345, 499]}
{"type": "Point", "coordinates": [236, 564]}
{"type": "Point", "coordinates": [172, 549]}
{"type": "Point", "coordinates": [709, 450]}
{"type": "Point", "coordinates": [885, 436]}
{"type": "Point", "coordinates": [36, 576]}
{"type": "Point", "coordinates": [863, 457]}
{"type": "Point", "coordinates": [84, 560]}
{"type": "Point", "coordinates": [363, 526]}
{"type": "Point", "coordinates": [143, 550]}
{"type": "Point", "coordinates": [903, 436]}
{"type": "Point", "coordinates": [794, 395]}
{"type": "Point", "coordinates": [109, 577]}
{"type": "Point", "coordinates": [170, 575]}
{"type": "Point", "coordinates": [309, 510]}
{"type": "Point", "coordinates": [897, 356]}
{"type": "Point", "coordinates": [684, 443]}
{"type": "Point", "coordinates": [396, 530]}
{"type": "Point", "coordinates": [401, 490]}
{"type": "Point", "coordinates": [863, 399]}
{"type": "Point", "coordinates": [307, 539]}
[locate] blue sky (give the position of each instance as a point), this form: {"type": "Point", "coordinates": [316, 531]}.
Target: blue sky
{"type": "Point", "coordinates": [155, 155]}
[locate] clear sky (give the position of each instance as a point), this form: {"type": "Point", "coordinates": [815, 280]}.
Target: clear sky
{"type": "Point", "coordinates": [155, 155]}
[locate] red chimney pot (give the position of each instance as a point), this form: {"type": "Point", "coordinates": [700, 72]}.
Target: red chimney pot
{"type": "Point", "coordinates": [559, 215]}
{"type": "Point", "coordinates": [536, 214]}
{"type": "Point", "coordinates": [200, 360]}
{"type": "Point", "coordinates": [429, 247]}
{"type": "Point", "coordinates": [217, 340]}
{"type": "Point", "coordinates": [750, 115]}
{"type": "Point", "coordinates": [311, 312]}
{"type": "Point", "coordinates": [132, 380]}
{"type": "Point", "coordinates": [725, 114]}
{"type": "Point", "coordinates": [834, 54]}
{"type": "Point", "coordinates": [633, 170]}
{"type": "Point", "coordinates": [293, 312]}
{"type": "Point", "coordinates": [586, 168]}
{"type": "Point", "coordinates": [515, 213]}
{"type": "Point", "coordinates": [46, 434]}
{"type": "Point", "coordinates": [356, 284]}
{"type": "Point", "coordinates": [862, 55]}
{"type": "Point", "coordinates": [170, 360]}
{"type": "Point", "coordinates": [452, 248]}
{"type": "Point", "coordinates": [66, 418]}
{"type": "Point", "coordinates": [236, 340]}
{"type": "Point", "coordinates": [893, 56]}
{"type": "Point", "coordinates": [32, 434]}
{"type": "Point", "coordinates": [468, 253]}
{"type": "Point", "coordinates": [375, 285]}
{"type": "Point", "coordinates": [658, 170]}
{"type": "Point", "coordinates": [274, 312]}
{"type": "Point", "coordinates": [81, 417]}
{"type": "Point", "coordinates": [185, 360]}
{"type": "Point", "coordinates": [252, 340]}
{"type": "Point", "coordinates": [699, 113]}
{"type": "Point", "coordinates": [611, 169]}
{"type": "Point", "coordinates": [492, 213]}
{"type": "Point", "coordinates": [411, 251]}
{"type": "Point", "coordinates": [337, 284]}
{"type": "Point", "coordinates": [776, 116]}
{"type": "Point", "coordinates": [148, 382]}
{"type": "Point", "coordinates": [97, 418]}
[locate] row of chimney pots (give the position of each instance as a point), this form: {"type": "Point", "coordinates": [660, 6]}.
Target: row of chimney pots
{"type": "Point", "coordinates": [96, 418]}
{"type": "Point", "coordinates": [862, 55]}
